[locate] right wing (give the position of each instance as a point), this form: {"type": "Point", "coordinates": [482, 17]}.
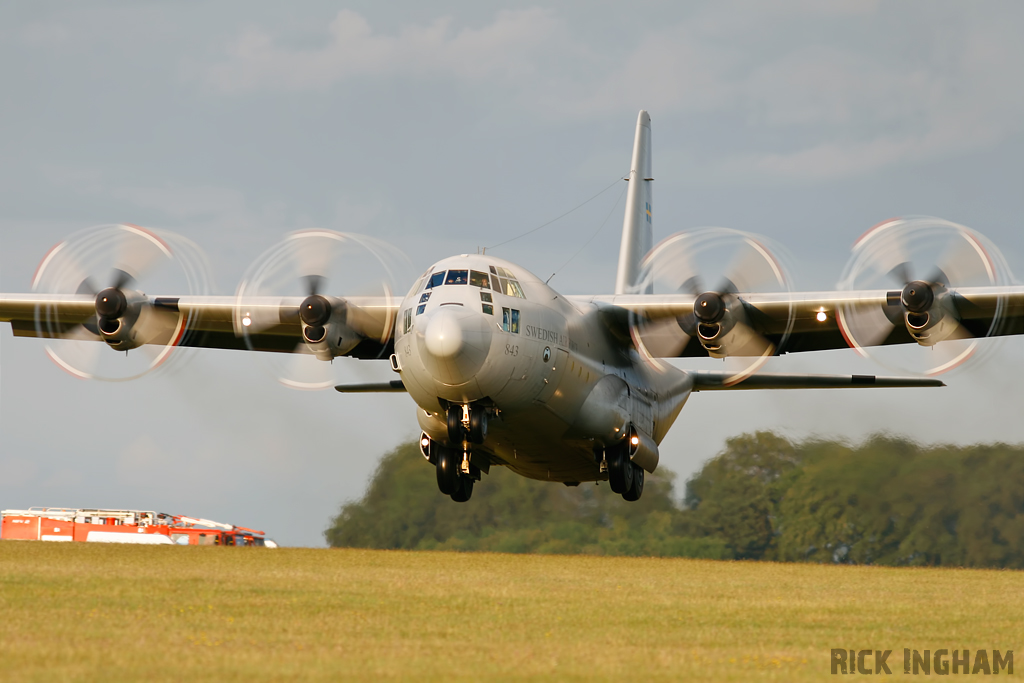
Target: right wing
{"type": "Point", "coordinates": [208, 321]}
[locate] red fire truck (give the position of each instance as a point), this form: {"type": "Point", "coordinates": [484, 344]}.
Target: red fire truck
{"type": "Point", "coordinates": [123, 526]}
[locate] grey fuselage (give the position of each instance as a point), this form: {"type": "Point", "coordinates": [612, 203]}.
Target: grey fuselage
{"type": "Point", "coordinates": [561, 382]}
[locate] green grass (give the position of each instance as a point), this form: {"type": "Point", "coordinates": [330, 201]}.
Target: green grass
{"type": "Point", "coordinates": [85, 612]}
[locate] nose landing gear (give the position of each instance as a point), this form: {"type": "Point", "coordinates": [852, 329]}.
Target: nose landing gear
{"type": "Point", "coordinates": [467, 423]}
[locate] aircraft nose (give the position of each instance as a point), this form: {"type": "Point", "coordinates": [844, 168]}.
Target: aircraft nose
{"type": "Point", "coordinates": [444, 336]}
{"type": "Point", "coordinates": [455, 344]}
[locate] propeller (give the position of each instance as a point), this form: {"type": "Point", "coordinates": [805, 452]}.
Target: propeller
{"type": "Point", "coordinates": [921, 262]}
{"type": "Point", "coordinates": [92, 288]}
{"type": "Point", "coordinates": [739, 264]}
{"type": "Point", "coordinates": [284, 292]}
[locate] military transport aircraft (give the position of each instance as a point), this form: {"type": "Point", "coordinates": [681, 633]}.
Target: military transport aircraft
{"type": "Point", "coordinates": [504, 370]}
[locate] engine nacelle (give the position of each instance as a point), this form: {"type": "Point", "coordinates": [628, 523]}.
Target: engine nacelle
{"type": "Point", "coordinates": [929, 312]}
{"type": "Point", "coordinates": [722, 329]}
{"type": "Point", "coordinates": [117, 313]}
{"type": "Point", "coordinates": [325, 326]}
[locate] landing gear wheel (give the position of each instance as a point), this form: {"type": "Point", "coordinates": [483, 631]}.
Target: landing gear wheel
{"type": "Point", "coordinates": [464, 491]}
{"type": "Point", "coordinates": [634, 492]}
{"type": "Point", "coordinates": [456, 432]}
{"type": "Point", "coordinates": [448, 471]}
{"type": "Point", "coordinates": [477, 425]}
{"type": "Point", "coordinates": [620, 469]}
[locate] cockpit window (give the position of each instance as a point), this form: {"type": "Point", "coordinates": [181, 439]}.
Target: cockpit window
{"type": "Point", "coordinates": [517, 289]}
{"type": "Point", "coordinates": [457, 277]}
{"type": "Point", "coordinates": [478, 279]}
{"type": "Point", "coordinates": [436, 279]}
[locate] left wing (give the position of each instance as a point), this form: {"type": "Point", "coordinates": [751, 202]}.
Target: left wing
{"type": "Point", "coordinates": [805, 321]}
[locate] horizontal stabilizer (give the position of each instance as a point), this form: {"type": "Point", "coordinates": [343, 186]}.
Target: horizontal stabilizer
{"type": "Point", "coordinates": [371, 387]}
{"type": "Point", "coordinates": [717, 381]}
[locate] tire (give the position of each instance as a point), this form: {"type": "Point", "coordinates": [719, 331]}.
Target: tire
{"type": "Point", "coordinates": [456, 433]}
{"type": "Point", "coordinates": [620, 469]}
{"type": "Point", "coordinates": [447, 470]}
{"type": "Point", "coordinates": [464, 491]}
{"type": "Point", "coordinates": [637, 489]}
{"type": "Point", "coordinates": [477, 425]}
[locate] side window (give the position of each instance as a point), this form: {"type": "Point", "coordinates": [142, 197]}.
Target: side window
{"type": "Point", "coordinates": [436, 280]}
{"type": "Point", "coordinates": [407, 321]}
{"type": "Point", "coordinates": [515, 322]}
{"type": "Point", "coordinates": [488, 309]}
{"type": "Point", "coordinates": [506, 318]}
{"type": "Point", "coordinates": [478, 279]}
{"type": "Point", "coordinates": [457, 277]}
{"type": "Point", "coordinates": [486, 296]}
{"type": "Point", "coordinates": [495, 283]}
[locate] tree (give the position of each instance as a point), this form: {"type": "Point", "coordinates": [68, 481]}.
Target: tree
{"type": "Point", "coordinates": [509, 513]}
{"type": "Point", "coordinates": [735, 494]}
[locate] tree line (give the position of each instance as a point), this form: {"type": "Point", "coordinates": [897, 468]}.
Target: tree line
{"type": "Point", "coordinates": [886, 501]}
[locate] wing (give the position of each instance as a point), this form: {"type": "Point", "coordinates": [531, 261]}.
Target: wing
{"type": "Point", "coordinates": [808, 321]}
{"type": "Point", "coordinates": [209, 321]}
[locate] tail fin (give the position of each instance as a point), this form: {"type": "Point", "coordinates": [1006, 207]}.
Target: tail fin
{"type": "Point", "coordinates": [638, 226]}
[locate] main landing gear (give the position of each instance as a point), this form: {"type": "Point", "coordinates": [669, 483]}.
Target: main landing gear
{"type": "Point", "coordinates": [624, 476]}
{"type": "Point", "coordinates": [455, 474]}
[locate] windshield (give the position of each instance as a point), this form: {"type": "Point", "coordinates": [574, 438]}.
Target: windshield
{"type": "Point", "coordinates": [436, 279]}
{"type": "Point", "coordinates": [478, 279]}
{"type": "Point", "coordinates": [457, 277]}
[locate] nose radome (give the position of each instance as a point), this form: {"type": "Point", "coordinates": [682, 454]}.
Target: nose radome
{"type": "Point", "coordinates": [443, 335]}
{"type": "Point", "coordinates": [455, 344]}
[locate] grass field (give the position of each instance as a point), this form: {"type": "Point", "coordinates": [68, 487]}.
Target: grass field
{"type": "Point", "coordinates": [85, 612]}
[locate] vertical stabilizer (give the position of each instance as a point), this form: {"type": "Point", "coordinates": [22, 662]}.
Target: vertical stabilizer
{"type": "Point", "coordinates": [638, 226]}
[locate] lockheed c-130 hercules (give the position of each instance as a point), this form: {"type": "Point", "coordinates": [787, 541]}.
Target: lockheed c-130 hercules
{"type": "Point", "coordinates": [504, 370]}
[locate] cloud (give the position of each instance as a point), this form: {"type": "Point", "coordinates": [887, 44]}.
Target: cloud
{"type": "Point", "coordinates": [353, 50]}
{"type": "Point", "coordinates": [814, 90]}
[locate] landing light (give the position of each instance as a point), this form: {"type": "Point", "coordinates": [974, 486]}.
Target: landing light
{"type": "Point", "coordinates": [424, 442]}
{"type": "Point", "coordinates": [635, 440]}
{"type": "Point", "coordinates": [246, 321]}
{"type": "Point", "coordinates": [822, 316]}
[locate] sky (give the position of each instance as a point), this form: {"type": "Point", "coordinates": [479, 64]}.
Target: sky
{"type": "Point", "coordinates": [449, 127]}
